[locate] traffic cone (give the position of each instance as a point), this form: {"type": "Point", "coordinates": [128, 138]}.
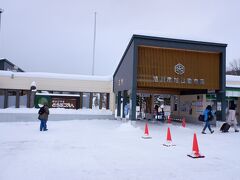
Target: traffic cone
{"type": "Point", "coordinates": [146, 132]}
{"type": "Point", "coordinates": [195, 149]}
{"type": "Point", "coordinates": [184, 122]}
{"type": "Point", "coordinates": [169, 139]}
{"type": "Point", "coordinates": [169, 121]}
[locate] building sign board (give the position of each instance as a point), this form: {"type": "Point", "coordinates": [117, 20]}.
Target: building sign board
{"type": "Point", "coordinates": [63, 103]}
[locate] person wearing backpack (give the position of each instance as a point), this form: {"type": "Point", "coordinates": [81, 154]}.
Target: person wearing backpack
{"type": "Point", "coordinates": [208, 116]}
{"type": "Point", "coordinates": [43, 117]}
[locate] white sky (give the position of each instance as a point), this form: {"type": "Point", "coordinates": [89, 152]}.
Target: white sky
{"type": "Point", "coordinates": [57, 35]}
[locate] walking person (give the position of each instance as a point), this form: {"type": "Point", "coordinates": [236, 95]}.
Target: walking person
{"type": "Point", "coordinates": [162, 113]}
{"type": "Point", "coordinates": [156, 111]}
{"type": "Point", "coordinates": [231, 120]}
{"type": "Point", "coordinates": [208, 116]}
{"type": "Point", "coordinates": [43, 117]}
{"type": "Point", "coordinates": [126, 109]}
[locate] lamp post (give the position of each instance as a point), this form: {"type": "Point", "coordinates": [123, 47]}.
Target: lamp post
{"type": "Point", "coordinates": [94, 41]}
{"type": "Point", "coordinates": [1, 11]}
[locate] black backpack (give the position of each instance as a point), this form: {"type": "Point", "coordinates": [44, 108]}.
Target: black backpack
{"type": "Point", "coordinates": [201, 117]}
{"type": "Point", "coordinates": [210, 116]}
{"type": "Point", "coordinates": [41, 110]}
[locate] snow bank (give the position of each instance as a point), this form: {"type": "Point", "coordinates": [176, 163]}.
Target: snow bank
{"type": "Point", "coordinates": [58, 111]}
{"type": "Point", "coordinates": [56, 76]}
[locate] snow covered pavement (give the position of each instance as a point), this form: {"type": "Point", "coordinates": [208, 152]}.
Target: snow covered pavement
{"type": "Point", "coordinates": [111, 149]}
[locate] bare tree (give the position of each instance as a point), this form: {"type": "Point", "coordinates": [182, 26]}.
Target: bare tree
{"type": "Point", "coordinates": [234, 67]}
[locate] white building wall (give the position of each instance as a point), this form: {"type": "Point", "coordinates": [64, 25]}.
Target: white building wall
{"type": "Point", "coordinates": [58, 82]}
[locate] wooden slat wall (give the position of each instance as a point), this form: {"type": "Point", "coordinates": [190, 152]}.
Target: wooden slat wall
{"type": "Point", "coordinates": [161, 62]}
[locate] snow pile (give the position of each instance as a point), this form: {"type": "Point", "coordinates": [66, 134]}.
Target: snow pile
{"type": "Point", "coordinates": [232, 81]}
{"type": "Point", "coordinates": [59, 111]}
{"type": "Point", "coordinates": [56, 76]}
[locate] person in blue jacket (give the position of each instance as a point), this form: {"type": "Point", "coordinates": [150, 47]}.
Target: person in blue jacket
{"type": "Point", "coordinates": [208, 115]}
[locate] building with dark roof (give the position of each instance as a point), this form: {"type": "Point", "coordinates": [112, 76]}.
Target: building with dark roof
{"type": "Point", "coordinates": [180, 73]}
{"type": "Point", "coordinates": [6, 65]}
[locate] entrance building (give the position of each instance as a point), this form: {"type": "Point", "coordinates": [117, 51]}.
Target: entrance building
{"type": "Point", "coordinates": [179, 76]}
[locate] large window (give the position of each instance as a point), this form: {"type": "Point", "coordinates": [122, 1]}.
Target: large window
{"type": "Point", "coordinates": [104, 101]}
{"type": "Point", "coordinates": [12, 99]}
{"type": "Point", "coordinates": [96, 101]}
{"type": "Point", "coordinates": [86, 100]}
{"type": "Point", "coordinates": [23, 99]}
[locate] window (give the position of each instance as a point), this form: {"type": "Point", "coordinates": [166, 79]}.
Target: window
{"type": "Point", "coordinates": [96, 101]}
{"type": "Point", "coordinates": [86, 100]}
{"type": "Point", "coordinates": [12, 99]}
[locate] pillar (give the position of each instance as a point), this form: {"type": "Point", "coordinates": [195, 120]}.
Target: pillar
{"type": "Point", "coordinates": [133, 104]}
{"type": "Point", "coordinates": [81, 100]}
{"type": "Point", "coordinates": [90, 100]}
{"type": "Point", "coordinates": [221, 105]}
{"type": "Point", "coordinates": [119, 104]}
{"type": "Point", "coordinates": [107, 101]}
{"type": "Point", "coordinates": [17, 99]}
{"type": "Point", "coordinates": [28, 98]}
{"type": "Point", "coordinates": [124, 102]}
{"type": "Point", "coordinates": [101, 101]}
{"type": "Point", "coordinates": [5, 98]}
{"type": "Point", "coordinates": [32, 99]}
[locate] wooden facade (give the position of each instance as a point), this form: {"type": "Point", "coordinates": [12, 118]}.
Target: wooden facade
{"type": "Point", "coordinates": [156, 65]}
{"type": "Point", "coordinates": [156, 69]}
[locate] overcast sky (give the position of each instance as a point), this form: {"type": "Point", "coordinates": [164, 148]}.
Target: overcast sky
{"type": "Point", "coordinates": [57, 35]}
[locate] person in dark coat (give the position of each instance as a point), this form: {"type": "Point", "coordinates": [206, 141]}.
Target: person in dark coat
{"type": "Point", "coordinates": [156, 111]}
{"type": "Point", "coordinates": [43, 117]}
{"type": "Point", "coordinates": [207, 115]}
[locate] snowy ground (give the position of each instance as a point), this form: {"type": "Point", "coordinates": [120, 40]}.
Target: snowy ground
{"type": "Point", "coordinates": [114, 150]}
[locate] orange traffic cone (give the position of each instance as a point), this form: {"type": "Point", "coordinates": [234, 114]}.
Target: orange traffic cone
{"type": "Point", "coordinates": [184, 122]}
{"type": "Point", "coordinates": [169, 121]}
{"type": "Point", "coordinates": [169, 139]}
{"type": "Point", "coordinates": [195, 149]}
{"type": "Point", "coordinates": [146, 132]}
